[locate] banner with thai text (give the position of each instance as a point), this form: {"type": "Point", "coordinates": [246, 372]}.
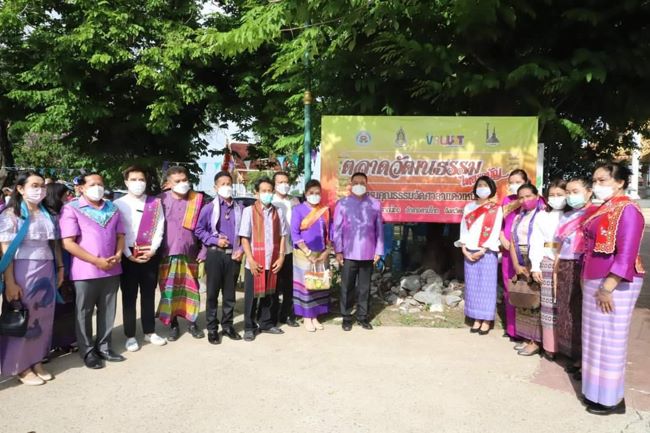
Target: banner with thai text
{"type": "Point", "coordinates": [422, 169]}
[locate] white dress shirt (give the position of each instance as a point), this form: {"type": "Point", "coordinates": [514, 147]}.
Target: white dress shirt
{"type": "Point", "coordinates": [542, 237]}
{"type": "Point", "coordinates": [286, 206]}
{"type": "Point", "coordinates": [131, 210]}
{"type": "Point", "coordinates": [470, 236]}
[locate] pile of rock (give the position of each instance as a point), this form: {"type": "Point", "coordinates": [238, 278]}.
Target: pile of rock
{"type": "Point", "coordinates": [415, 292]}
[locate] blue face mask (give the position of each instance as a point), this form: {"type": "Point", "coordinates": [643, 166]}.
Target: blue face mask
{"type": "Point", "coordinates": [266, 198]}
{"type": "Point", "coordinates": [576, 201]}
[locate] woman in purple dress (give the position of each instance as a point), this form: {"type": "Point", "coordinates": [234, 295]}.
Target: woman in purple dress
{"type": "Point", "coordinates": [510, 207]}
{"type": "Point", "coordinates": [310, 224]}
{"type": "Point", "coordinates": [30, 279]}
{"type": "Point", "coordinates": [612, 277]}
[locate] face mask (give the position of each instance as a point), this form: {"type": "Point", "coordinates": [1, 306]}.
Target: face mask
{"type": "Point", "coordinates": [359, 190]}
{"type": "Point", "coordinates": [181, 188]}
{"type": "Point", "coordinates": [576, 201]}
{"type": "Point", "coordinates": [514, 187]}
{"type": "Point", "coordinates": [603, 192]}
{"type": "Point", "coordinates": [483, 192]}
{"type": "Point", "coordinates": [266, 198]}
{"type": "Point", "coordinates": [225, 191]}
{"type": "Point", "coordinates": [557, 203]}
{"type": "Point", "coordinates": [136, 187]}
{"type": "Point", "coordinates": [529, 204]}
{"type": "Point", "coordinates": [95, 193]}
{"type": "Point", "coordinates": [313, 199]}
{"type": "Point", "coordinates": [34, 195]}
{"type": "Point", "coordinates": [282, 188]}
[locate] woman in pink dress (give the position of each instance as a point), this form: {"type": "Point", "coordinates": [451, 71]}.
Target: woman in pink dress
{"type": "Point", "coordinates": [510, 206]}
{"type": "Point", "coordinates": [612, 277]}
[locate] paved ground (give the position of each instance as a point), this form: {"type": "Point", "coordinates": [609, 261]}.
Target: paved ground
{"type": "Point", "coordinates": [388, 380]}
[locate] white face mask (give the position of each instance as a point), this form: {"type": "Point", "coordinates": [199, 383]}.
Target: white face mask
{"type": "Point", "coordinates": [225, 191]}
{"type": "Point", "coordinates": [557, 203]}
{"type": "Point", "coordinates": [136, 187]}
{"type": "Point", "coordinates": [95, 192]}
{"type": "Point", "coordinates": [313, 199]}
{"type": "Point", "coordinates": [359, 190]}
{"type": "Point", "coordinates": [603, 192]}
{"type": "Point", "coordinates": [181, 188]}
{"type": "Point", "coordinates": [34, 195]}
{"type": "Point", "coordinates": [514, 187]}
{"type": "Point", "coordinates": [483, 192]}
{"type": "Point", "coordinates": [282, 188]}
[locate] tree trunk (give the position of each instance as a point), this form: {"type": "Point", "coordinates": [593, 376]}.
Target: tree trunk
{"type": "Point", "coordinates": [6, 151]}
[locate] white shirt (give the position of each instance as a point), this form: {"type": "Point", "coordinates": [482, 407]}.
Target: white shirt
{"type": "Point", "coordinates": [286, 206]}
{"type": "Point", "coordinates": [544, 228]}
{"type": "Point", "coordinates": [131, 209]}
{"type": "Point", "coordinates": [470, 236]}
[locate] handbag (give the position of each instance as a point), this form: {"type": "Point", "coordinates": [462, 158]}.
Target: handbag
{"type": "Point", "coordinates": [318, 277]}
{"type": "Point", "coordinates": [13, 320]}
{"type": "Point", "coordinates": [524, 293]}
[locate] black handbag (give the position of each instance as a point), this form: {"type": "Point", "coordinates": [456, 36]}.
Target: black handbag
{"type": "Point", "coordinates": [13, 320]}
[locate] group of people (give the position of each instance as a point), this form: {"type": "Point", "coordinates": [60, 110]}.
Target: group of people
{"type": "Point", "coordinates": [140, 241]}
{"type": "Point", "coordinates": [583, 257]}
{"type": "Point", "coordinates": [576, 250]}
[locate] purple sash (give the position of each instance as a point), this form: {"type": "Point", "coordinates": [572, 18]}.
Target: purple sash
{"type": "Point", "coordinates": [152, 208]}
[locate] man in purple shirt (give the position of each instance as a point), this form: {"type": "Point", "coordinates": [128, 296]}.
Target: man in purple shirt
{"type": "Point", "coordinates": [93, 234]}
{"type": "Point", "coordinates": [358, 238]}
{"type": "Point", "coordinates": [217, 230]}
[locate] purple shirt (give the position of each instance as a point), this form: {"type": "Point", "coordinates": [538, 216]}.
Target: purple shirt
{"type": "Point", "coordinates": [628, 241]}
{"type": "Point", "coordinates": [98, 240]}
{"type": "Point", "coordinates": [178, 241]}
{"type": "Point", "coordinates": [229, 219]}
{"type": "Point", "coordinates": [314, 237]}
{"type": "Point", "coordinates": [246, 231]}
{"type": "Point", "coordinates": [358, 231]}
{"type": "Point", "coordinates": [510, 218]}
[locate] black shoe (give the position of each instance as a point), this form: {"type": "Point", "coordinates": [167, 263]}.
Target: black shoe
{"type": "Point", "coordinates": [272, 330]}
{"type": "Point", "coordinates": [365, 324]}
{"type": "Point", "coordinates": [292, 322]}
{"type": "Point", "coordinates": [195, 331]}
{"type": "Point", "coordinates": [231, 333]}
{"type": "Point", "coordinates": [474, 330]}
{"type": "Point", "coordinates": [110, 356]}
{"type": "Point", "coordinates": [249, 335]}
{"type": "Point", "coordinates": [93, 361]}
{"type": "Point", "coordinates": [486, 332]}
{"type": "Point", "coordinates": [599, 409]}
{"type": "Point", "coordinates": [214, 337]}
{"type": "Point", "coordinates": [347, 326]}
{"type": "Point", "coordinates": [174, 332]}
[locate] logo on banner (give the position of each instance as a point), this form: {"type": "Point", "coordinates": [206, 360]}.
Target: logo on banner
{"type": "Point", "coordinates": [363, 138]}
{"type": "Point", "coordinates": [400, 138]}
{"type": "Point", "coordinates": [491, 139]}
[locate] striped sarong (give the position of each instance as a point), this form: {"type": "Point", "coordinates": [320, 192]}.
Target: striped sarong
{"type": "Point", "coordinates": [307, 303]}
{"type": "Point", "coordinates": [604, 341]}
{"type": "Point", "coordinates": [548, 309]}
{"type": "Point", "coordinates": [481, 287]}
{"type": "Point", "coordinates": [568, 301]}
{"type": "Point", "coordinates": [179, 289]}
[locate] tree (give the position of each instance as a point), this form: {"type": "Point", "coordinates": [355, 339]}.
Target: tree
{"type": "Point", "coordinates": [579, 66]}
{"type": "Point", "coordinates": [86, 72]}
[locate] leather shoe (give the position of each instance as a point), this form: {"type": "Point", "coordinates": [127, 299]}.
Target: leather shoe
{"type": "Point", "coordinates": [93, 361]}
{"type": "Point", "coordinates": [292, 322]}
{"type": "Point", "coordinates": [110, 356]}
{"type": "Point", "coordinates": [365, 324]}
{"type": "Point", "coordinates": [249, 335]}
{"type": "Point", "coordinates": [231, 333]}
{"type": "Point", "coordinates": [214, 337]}
{"type": "Point", "coordinates": [273, 330]}
{"type": "Point", "coordinates": [599, 409]}
{"type": "Point", "coordinates": [347, 326]}
{"type": "Point", "coordinates": [174, 332]}
{"type": "Point", "coordinates": [195, 331]}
